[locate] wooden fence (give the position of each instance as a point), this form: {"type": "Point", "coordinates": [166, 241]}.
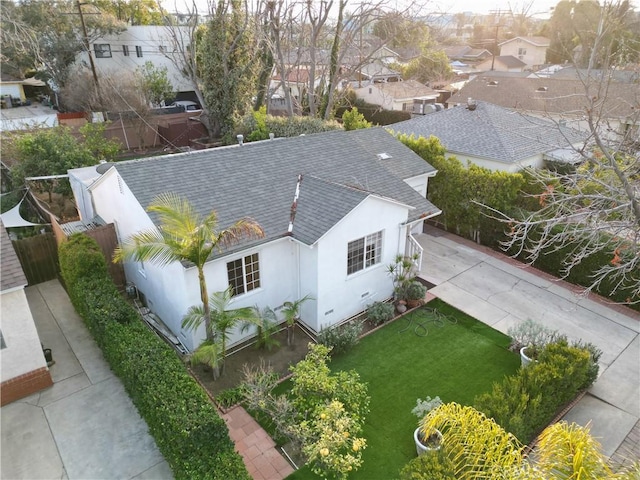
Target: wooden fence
{"type": "Point", "coordinates": [39, 257]}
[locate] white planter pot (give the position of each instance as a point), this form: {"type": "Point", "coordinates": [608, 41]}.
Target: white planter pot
{"type": "Point", "coordinates": [420, 447]}
{"type": "Point", "coordinates": [524, 360]}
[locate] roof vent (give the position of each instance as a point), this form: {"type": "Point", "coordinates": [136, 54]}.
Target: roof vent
{"type": "Point", "coordinates": [541, 89]}
{"type": "Point", "coordinates": [492, 83]}
{"type": "Point", "coordinates": [240, 139]}
{"type": "Point", "coordinates": [383, 156]}
{"type": "Point", "coordinates": [272, 135]}
{"type": "Point", "coordinates": [471, 104]}
{"type": "Point", "coordinates": [104, 166]}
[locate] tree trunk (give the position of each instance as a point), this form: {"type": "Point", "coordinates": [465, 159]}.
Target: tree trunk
{"type": "Point", "coordinates": [204, 296]}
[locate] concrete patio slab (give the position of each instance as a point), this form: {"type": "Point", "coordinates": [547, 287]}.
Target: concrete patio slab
{"type": "Point", "coordinates": [96, 437]}
{"type": "Point", "coordinates": [28, 446]}
{"type": "Point", "coordinates": [468, 303]}
{"type": "Point", "coordinates": [609, 425]}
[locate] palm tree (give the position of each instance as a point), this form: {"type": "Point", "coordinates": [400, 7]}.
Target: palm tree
{"type": "Point", "coordinates": [222, 320]}
{"type": "Point", "coordinates": [266, 322]}
{"type": "Point", "coordinates": [291, 312]}
{"type": "Point", "coordinates": [209, 353]}
{"type": "Point", "coordinates": [184, 236]}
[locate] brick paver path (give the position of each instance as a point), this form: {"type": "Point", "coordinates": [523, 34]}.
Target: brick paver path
{"type": "Point", "coordinates": [258, 450]}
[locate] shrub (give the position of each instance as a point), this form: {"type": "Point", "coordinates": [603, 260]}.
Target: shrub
{"type": "Point", "coordinates": [435, 465]}
{"type": "Point", "coordinates": [341, 339]}
{"type": "Point", "coordinates": [230, 397]}
{"type": "Point", "coordinates": [185, 425]}
{"type": "Point", "coordinates": [416, 291]}
{"type": "Point", "coordinates": [526, 402]}
{"type": "Point", "coordinates": [380, 312]}
{"type": "Point", "coordinates": [258, 125]}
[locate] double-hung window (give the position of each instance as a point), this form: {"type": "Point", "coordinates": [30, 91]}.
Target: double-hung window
{"type": "Point", "coordinates": [364, 252]}
{"type": "Point", "coordinates": [103, 50]}
{"type": "Point", "coordinates": [244, 274]}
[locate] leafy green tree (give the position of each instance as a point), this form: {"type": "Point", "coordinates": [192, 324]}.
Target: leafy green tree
{"type": "Point", "coordinates": [354, 120]}
{"type": "Point", "coordinates": [228, 63]}
{"type": "Point", "coordinates": [154, 83]}
{"type": "Point", "coordinates": [291, 312]}
{"type": "Point", "coordinates": [53, 151]}
{"type": "Point", "coordinates": [132, 12]}
{"type": "Point", "coordinates": [429, 66]}
{"type": "Point", "coordinates": [185, 236]}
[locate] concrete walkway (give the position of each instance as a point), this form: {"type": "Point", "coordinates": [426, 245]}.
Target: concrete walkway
{"type": "Point", "coordinates": [84, 426]}
{"type": "Point", "coordinates": [501, 292]}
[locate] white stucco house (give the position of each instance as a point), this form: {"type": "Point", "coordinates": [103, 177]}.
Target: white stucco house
{"type": "Point", "coordinates": [23, 368]}
{"type": "Point", "coordinates": [127, 51]}
{"type": "Point", "coordinates": [336, 208]}
{"type": "Point", "coordinates": [396, 95]}
{"type": "Point", "coordinates": [494, 137]}
{"type": "Point", "coordinates": [530, 50]}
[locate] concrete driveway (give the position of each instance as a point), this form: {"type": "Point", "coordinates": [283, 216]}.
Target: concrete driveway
{"type": "Point", "coordinates": [500, 292]}
{"type": "Point", "coordinates": [84, 426]}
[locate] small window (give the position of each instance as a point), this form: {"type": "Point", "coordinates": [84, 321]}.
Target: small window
{"type": "Point", "coordinates": [139, 51]}
{"type": "Point", "coordinates": [125, 50]}
{"type": "Point", "coordinates": [244, 274]}
{"type": "Point", "coordinates": [103, 50]}
{"type": "Point", "coordinates": [2, 344]}
{"type": "Point", "coordinates": [364, 252]}
{"type": "Point", "coordinates": [522, 52]}
{"type": "Point", "coordinates": [370, 90]}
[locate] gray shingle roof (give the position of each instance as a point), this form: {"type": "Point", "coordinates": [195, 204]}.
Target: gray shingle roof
{"type": "Point", "coordinates": [549, 95]}
{"type": "Point", "coordinates": [491, 132]}
{"type": "Point", "coordinates": [259, 179]}
{"type": "Point", "coordinates": [12, 273]}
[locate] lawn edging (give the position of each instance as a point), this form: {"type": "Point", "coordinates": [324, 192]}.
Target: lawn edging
{"type": "Point", "coordinates": [186, 426]}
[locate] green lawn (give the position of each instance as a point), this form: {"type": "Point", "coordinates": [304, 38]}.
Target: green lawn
{"type": "Point", "coordinates": [455, 361]}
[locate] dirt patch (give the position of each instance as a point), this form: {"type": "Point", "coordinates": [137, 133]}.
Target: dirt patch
{"type": "Point", "coordinates": [279, 359]}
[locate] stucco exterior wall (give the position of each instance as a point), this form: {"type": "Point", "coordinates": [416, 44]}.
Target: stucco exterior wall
{"type": "Point", "coordinates": [339, 295]}
{"type": "Point", "coordinates": [535, 55]}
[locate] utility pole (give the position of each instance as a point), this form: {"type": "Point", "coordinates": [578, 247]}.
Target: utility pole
{"type": "Point", "coordinates": [88, 47]}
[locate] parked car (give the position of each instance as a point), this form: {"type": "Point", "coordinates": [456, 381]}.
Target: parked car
{"type": "Point", "coordinates": [187, 105]}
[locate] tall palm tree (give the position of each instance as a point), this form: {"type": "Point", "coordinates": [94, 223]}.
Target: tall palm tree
{"type": "Point", "coordinates": [184, 236]}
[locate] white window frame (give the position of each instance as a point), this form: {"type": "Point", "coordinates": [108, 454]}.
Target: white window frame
{"type": "Point", "coordinates": [251, 280]}
{"type": "Point", "coordinates": [102, 50]}
{"type": "Point", "coordinates": [370, 244]}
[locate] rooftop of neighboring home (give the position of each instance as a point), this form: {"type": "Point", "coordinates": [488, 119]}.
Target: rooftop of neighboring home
{"type": "Point", "coordinates": [492, 132]}
{"type": "Point", "coordinates": [550, 95]}
{"type": "Point", "coordinates": [466, 52]}
{"type": "Point", "coordinates": [12, 274]}
{"type": "Point", "coordinates": [508, 61]}
{"type": "Point", "coordinates": [339, 170]}
{"type": "Point", "coordinates": [405, 90]}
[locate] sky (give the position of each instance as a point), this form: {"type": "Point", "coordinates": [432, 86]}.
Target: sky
{"type": "Point", "coordinates": [538, 8]}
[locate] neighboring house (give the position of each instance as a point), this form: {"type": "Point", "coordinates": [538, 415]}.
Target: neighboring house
{"type": "Point", "coordinates": [127, 51]}
{"type": "Point", "coordinates": [23, 367]}
{"type": "Point", "coordinates": [336, 208]}
{"type": "Point", "coordinates": [562, 100]}
{"type": "Point", "coordinates": [494, 137]}
{"type": "Point", "coordinates": [530, 50]}
{"type": "Point", "coordinates": [466, 53]}
{"type": "Point", "coordinates": [374, 72]}
{"type": "Point", "coordinates": [507, 63]}
{"type": "Point", "coordinates": [397, 95]}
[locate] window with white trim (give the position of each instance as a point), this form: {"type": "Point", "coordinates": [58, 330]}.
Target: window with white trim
{"type": "Point", "coordinates": [103, 50]}
{"type": "Point", "coordinates": [364, 252]}
{"type": "Point", "coordinates": [244, 274]}
{"type": "Point", "coordinates": [138, 51]}
{"type": "Point", "coordinates": [125, 50]}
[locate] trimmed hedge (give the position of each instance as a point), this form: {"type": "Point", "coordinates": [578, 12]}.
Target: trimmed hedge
{"type": "Point", "coordinates": [185, 425]}
{"type": "Point", "coordinates": [526, 402]}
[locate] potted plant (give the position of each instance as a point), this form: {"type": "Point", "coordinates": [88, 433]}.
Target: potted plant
{"type": "Point", "coordinates": [415, 294]}
{"type": "Point", "coordinates": [529, 338]}
{"type": "Point", "coordinates": [403, 270]}
{"type": "Point", "coordinates": [432, 441]}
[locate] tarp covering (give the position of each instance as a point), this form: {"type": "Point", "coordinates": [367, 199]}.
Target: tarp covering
{"type": "Point", "coordinates": [12, 218]}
